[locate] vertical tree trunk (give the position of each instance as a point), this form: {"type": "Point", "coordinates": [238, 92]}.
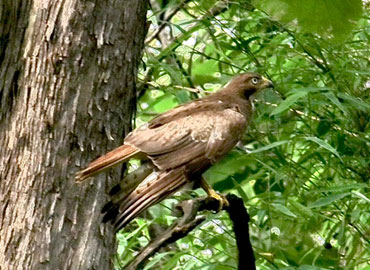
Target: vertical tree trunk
{"type": "Point", "coordinates": [67, 88]}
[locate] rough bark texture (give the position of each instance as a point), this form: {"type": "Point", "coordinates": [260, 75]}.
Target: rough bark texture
{"type": "Point", "coordinates": [67, 88]}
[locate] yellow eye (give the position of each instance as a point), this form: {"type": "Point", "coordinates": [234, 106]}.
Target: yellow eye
{"type": "Point", "coordinates": [255, 80]}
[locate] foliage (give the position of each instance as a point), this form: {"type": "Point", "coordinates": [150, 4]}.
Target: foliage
{"type": "Point", "coordinates": [331, 18]}
{"type": "Point", "coordinates": [304, 169]}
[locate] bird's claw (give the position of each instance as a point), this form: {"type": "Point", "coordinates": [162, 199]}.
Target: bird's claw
{"type": "Point", "coordinates": [222, 201]}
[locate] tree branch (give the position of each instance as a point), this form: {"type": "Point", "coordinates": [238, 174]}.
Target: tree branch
{"type": "Point", "coordinates": [166, 20]}
{"type": "Point", "coordinates": [240, 218]}
{"type": "Point", "coordinates": [190, 220]}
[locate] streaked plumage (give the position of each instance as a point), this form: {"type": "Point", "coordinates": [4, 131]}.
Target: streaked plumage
{"type": "Point", "coordinates": [180, 144]}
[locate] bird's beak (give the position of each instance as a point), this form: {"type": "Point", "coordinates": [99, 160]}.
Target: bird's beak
{"type": "Point", "coordinates": [266, 83]}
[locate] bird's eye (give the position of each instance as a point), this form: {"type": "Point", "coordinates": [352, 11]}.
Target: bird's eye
{"type": "Point", "coordinates": [255, 80]}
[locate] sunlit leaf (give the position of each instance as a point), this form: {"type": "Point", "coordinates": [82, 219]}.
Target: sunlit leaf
{"type": "Point", "coordinates": [330, 95]}
{"type": "Point", "coordinates": [360, 195]}
{"type": "Point", "coordinates": [303, 210]}
{"type": "Point", "coordinates": [330, 18]}
{"type": "Point", "coordinates": [328, 199]}
{"type": "Point", "coordinates": [283, 209]}
{"type": "Point", "coordinates": [287, 103]}
{"type": "Point", "coordinates": [267, 147]}
{"type": "Point", "coordinates": [340, 188]}
{"type": "Point", "coordinates": [358, 103]}
{"type": "Point", "coordinates": [325, 145]}
{"type": "Point", "coordinates": [240, 191]}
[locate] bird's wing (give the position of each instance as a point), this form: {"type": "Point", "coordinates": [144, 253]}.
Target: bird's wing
{"type": "Point", "coordinates": [154, 188]}
{"type": "Point", "coordinates": [182, 111]}
{"type": "Point", "coordinates": [168, 131]}
{"type": "Point", "coordinates": [164, 134]}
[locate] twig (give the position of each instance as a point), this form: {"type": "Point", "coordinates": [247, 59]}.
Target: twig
{"type": "Point", "coordinates": [193, 90]}
{"type": "Point", "coordinates": [166, 21]}
{"type": "Point", "coordinates": [217, 9]}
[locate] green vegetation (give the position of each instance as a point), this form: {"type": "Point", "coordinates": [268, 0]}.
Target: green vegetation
{"type": "Point", "coordinates": [304, 171]}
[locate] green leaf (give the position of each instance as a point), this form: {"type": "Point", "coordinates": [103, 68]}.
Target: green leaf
{"type": "Point", "coordinates": [283, 209]}
{"type": "Point", "coordinates": [226, 46]}
{"type": "Point", "coordinates": [267, 147]}
{"type": "Point", "coordinates": [233, 163]}
{"type": "Point", "coordinates": [332, 19]}
{"type": "Point", "coordinates": [287, 103]}
{"type": "Point", "coordinates": [330, 95]}
{"type": "Point", "coordinates": [312, 267]}
{"type": "Point", "coordinates": [163, 103]}
{"type": "Point", "coordinates": [325, 145]}
{"type": "Point", "coordinates": [358, 103]}
{"type": "Point", "coordinates": [156, 259]}
{"type": "Point", "coordinates": [303, 210]}
{"type": "Point", "coordinates": [182, 96]}
{"type": "Point", "coordinates": [203, 71]}
{"type": "Point", "coordinates": [340, 188]}
{"type": "Point", "coordinates": [341, 233]}
{"type": "Point", "coordinates": [360, 195]}
{"type": "Point", "coordinates": [240, 191]}
{"type": "Point", "coordinates": [328, 200]}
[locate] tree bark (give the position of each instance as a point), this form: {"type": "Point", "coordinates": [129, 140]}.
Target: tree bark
{"type": "Point", "coordinates": [67, 93]}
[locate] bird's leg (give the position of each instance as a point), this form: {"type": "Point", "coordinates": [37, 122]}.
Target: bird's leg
{"type": "Point", "coordinates": [213, 193]}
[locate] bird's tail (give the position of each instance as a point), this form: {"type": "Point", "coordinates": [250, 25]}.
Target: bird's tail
{"type": "Point", "coordinates": [118, 155]}
{"type": "Point", "coordinates": [154, 188]}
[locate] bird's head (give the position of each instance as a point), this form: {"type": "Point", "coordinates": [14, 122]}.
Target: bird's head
{"type": "Point", "coordinates": [247, 84]}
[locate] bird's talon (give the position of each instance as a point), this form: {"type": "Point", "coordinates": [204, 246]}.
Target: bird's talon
{"type": "Point", "coordinates": [222, 201]}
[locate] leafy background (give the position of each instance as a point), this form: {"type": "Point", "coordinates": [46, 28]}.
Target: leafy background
{"type": "Point", "coordinates": [304, 170]}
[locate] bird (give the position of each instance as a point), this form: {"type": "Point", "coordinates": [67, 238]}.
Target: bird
{"type": "Point", "coordinates": [177, 147]}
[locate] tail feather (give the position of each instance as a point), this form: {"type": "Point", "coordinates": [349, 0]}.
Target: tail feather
{"type": "Point", "coordinates": [144, 204]}
{"type": "Point", "coordinates": [155, 187]}
{"type": "Point", "coordinates": [130, 182]}
{"type": "Point", "coordinates": [120, 191]}
{"type": "Point", "coordinates": [118, 155]}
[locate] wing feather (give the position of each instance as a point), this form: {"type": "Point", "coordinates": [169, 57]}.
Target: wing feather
{"type": "Point", "coordinates": [155, 187]}
{"type": "Point", "coordinates": [209, 133]}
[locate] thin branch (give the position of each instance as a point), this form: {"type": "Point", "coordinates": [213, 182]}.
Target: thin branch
{"type": "Point", "coordinates": [217, 9]}
{"type": "Point", "coordinates": [192, 90]}
{"type": "Point", "coordinates": [315, 118]}
{"type": "Point", "coordinates": [166, 21]}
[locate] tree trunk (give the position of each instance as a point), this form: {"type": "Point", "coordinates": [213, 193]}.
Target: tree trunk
{"type": "Point", "coordinates": [67, 92]}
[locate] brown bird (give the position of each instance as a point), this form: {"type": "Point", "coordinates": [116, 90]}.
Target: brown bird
{"type": "Point", "coordinates": [180, 145]}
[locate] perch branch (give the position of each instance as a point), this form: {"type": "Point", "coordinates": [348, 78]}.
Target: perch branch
{"type": "Point", "coordinates": [190, 220]}
{"type": "Point", "coordinates": [240, 218]}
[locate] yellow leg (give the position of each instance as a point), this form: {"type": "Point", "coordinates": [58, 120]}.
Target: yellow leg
{"type": "Point", "coordinates": [212, 193]}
